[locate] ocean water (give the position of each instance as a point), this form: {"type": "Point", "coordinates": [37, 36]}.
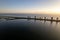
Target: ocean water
{"type": "Point", "coordinates": [24, 29]}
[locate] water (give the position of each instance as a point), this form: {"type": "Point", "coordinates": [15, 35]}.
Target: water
{"type": "Point", "coordinates": [29, 29]}
{"type": "Point", "coordinates": [32, 15]}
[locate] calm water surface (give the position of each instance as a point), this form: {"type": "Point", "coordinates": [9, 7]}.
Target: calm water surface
{"type": "Point", "coordinates": [29, 29]}
{"type": "Point", "coordinates": [23, 29]}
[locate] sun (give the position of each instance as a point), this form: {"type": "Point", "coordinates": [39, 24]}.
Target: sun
{"type": "Point", "coordinates": [56, 10]}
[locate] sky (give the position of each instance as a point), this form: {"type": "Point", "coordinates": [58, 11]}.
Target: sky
{"type": "Point", "coordinates": [30, 6]}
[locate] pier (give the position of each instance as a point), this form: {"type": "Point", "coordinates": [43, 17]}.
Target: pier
{"type": "Point", "coordinates": [28, 17]}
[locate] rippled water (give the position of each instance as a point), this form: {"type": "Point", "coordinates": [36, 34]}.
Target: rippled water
{"type": "Point", "coordinates": [29, 29]}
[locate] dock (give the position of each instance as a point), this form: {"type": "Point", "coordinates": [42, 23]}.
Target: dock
{"type": "Point", "coordinates": [30, 18]}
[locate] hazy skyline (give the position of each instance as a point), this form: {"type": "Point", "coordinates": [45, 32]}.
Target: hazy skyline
{"type": "Point", "coordinates": [29, 6]}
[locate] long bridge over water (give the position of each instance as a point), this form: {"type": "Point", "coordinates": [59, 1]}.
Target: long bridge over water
{"type": "Point", "coordinates": [35, 18]}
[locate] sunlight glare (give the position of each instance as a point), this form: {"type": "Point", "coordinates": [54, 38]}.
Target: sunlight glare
{"type": "Point", "coordinates": [56, 10]}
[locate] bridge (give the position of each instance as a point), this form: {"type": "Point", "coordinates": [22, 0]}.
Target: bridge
{"type": "Point", "coordinates": [44, 19]}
